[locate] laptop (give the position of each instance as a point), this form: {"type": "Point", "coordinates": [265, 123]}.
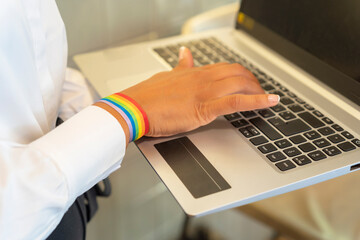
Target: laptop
{"type": "Point", "coordinates": [308, 52]}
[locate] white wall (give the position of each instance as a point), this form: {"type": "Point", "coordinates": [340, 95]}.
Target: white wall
{"type": "Point", "coordinates": [96, 24]}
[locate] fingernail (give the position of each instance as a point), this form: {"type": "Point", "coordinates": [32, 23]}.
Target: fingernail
{"type": "Point", "coordinates": [181, 53]}
{"type": "Point", "coordinates": [274, 98]}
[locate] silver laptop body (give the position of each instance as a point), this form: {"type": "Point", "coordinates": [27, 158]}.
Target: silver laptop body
{"type": "Point", "coordinates": [222, 165]}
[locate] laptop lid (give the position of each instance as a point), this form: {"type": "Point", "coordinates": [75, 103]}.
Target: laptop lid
{"type": "Point", "coordinates": [322, 37]}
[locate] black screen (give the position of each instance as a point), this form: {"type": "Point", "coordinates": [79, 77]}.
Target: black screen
{"type": "Point", "coordinates": [328, 30]}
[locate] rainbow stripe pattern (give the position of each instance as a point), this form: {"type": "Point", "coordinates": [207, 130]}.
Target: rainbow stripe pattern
{"type": "Point", "coordinates": [120, 105]}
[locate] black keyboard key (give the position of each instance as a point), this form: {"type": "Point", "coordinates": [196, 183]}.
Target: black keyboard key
{"type": "Point", "coordinates": [283, 143]}
{"type": "Point", "coordinates": [264, 127]}
{"type": "Point", "coordinates": [321, 143]}
{"type": "Point", "coordinates": [267, 148]}
{"type": "Point", "coordinates": [248, 114]}
{"type": "Point", "coordinates": [266, 113]}
{"type": "Point", "coordinates": [284, 89]}
{"type": "Point", "coordinates": [318, 114]}
{"type": "Point", "coordinates": [216, 59]}
{"type": "Point", "coordinates": [277, 84]}
{"type": "Point", "coordinates": [277, 92]}
{"type": "Point", "coordinates": [174, 49]}
{"type": "Point", "coordinates": [173, 63]}
{"type": "Point", "coordinates": [196, 54]}
{"type": "Point", "coordinates": [276, 156]}
{"type": "Point", "coordinates": [170, 59]}
{"type": "Point", "coordinates": [165, 55]}
{"type": "Point", "coordinates": [261, 73]}
{"type": "Point", "coordinates": [331, 151]}
{"type": "Point", "coordinates": [299, 100]}
{"type": "Point", "coordinates": [287, 115]}
{"type": "Point", "coordinates": [261, 81]}
{"type": "Point", "coordinates": [336, 138]}
{"type": "Point", "coordinates": [239, 123]}
{"type": "Point", "coordinates": [285, 165]}
{"type": "Point", "coordinates": [268, 87]}
{"type": "Point", "coordinates": [292, 127]}
{"type": "Point", "coordinates": [347, 135]}
{"type": "Point", "coordinates": [297, 139]}
{"type": "Point", "coordinates": [291, 152]}
{"type": "Point", "coordinates": [346, 146]}
{"type": "Point", "coordinates": [307, 147]}
{"type": "Point", "coordinates": [312, 135]}
{"type": "Point", "coordinates": [296, 108]}
{"type": "Point", "coordinates": [162, 52]}
{"type": "Point", "coordinates": [278, 108]}
{"type": "Point", "coordinates": [210, 55]}
{"type": "Point", "coordinates": [317, 155]}
{"type": "Point", "coordinates": [326, 131]}
{"type": "Point", "coordinates": [276, 121]}
{"type": "Point", "coordinates": [356, 142]}
{"type": "Point", "coordinates": [255, 71]}
{"type": "Point", "coordinates": [258, 140]}
{"type": "Point", "coordinates": [311, 119]}
{"type": "Point", "coordinates": [286, 100]}
{"type": "Point", "coordinates": [290, 94]}
{"type": "Point", "coordinates": [337, 127]}
{"type": "Point", "coordinates": [245, 132]}
{"type": "Point", "coordinates": [270, 79]}
{"type": "Point", "coordinates": [327, 120]}
{"type": "Point", "coordinates": [309, 107]}
{"type": "Point", "coordinates": [301, 160]}
{"type": "Point", "coordinates": [203, 61]}
{"type": "Point", "coordinates": [253, 130]}
{"type": "Point", "coordinates": [233, 116]}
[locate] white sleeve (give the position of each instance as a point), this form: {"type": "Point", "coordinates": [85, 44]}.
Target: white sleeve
{"type": "Point", "coordinates": [39, 181]}
{"type": "Point", "coordinates": [76, 94]}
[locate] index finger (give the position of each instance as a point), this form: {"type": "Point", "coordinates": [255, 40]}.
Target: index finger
{"type": "Point", "coordinates": [237, 103]}
{"type": "Point", "coordinates": [219, 72]}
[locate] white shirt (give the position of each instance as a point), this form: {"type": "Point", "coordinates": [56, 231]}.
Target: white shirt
{"type": "Point", "coordinates": [43, 170]}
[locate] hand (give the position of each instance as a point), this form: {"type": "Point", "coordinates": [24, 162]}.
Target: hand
{"type": "Point", "coordinates": [189, 97]}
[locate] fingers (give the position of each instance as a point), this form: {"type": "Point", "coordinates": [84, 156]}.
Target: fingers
{"type": "Point", "coordinates": [209, 66]}
{"type": "Point", "coordinates": [233, 85]}
{"type": "Point", "coordinates": [222, 69]}
{"type": "Point", "coordinates": [230, 70]}
{"type": "Point", "coordinates": [185, 59]}
{"type": "Point", "coordinates": [217, 71]}
{"type": "Point", "coordinates": [236, 103]}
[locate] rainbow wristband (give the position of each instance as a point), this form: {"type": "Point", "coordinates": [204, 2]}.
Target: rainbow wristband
{"type": "Point", "coordinates": [122, 106]}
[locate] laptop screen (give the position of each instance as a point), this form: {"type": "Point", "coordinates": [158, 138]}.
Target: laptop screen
{"type": "Point", "coordinates": [320, 36]}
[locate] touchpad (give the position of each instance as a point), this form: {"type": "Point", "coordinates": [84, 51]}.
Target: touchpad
{"type": "Point", "coordinates": [190, 165]}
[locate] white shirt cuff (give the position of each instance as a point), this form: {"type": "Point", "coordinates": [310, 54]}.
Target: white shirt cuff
{"type": "Point", "coordinates": [87, 148]}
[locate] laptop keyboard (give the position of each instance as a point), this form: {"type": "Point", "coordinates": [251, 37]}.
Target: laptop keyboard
{"type": "Point", "coordinates": [291, 134]}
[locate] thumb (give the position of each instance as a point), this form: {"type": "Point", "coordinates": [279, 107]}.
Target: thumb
{"type": "Point", "coordinates": [185, 58]}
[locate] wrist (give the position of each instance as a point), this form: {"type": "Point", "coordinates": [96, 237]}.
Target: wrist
{"type": "Point", "coordinates": [129, 114]}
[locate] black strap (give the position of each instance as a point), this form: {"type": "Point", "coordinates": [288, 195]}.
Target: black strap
{"type": "Point", "coordinates": [106, 190]}
{"type": "Point", "coordinates": [90, 197]}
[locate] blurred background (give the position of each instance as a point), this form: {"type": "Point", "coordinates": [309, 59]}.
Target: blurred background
{"type": "Point", "coordinates": [95, 24]}
{"type": "Point", "coordinates": [140, 206]}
